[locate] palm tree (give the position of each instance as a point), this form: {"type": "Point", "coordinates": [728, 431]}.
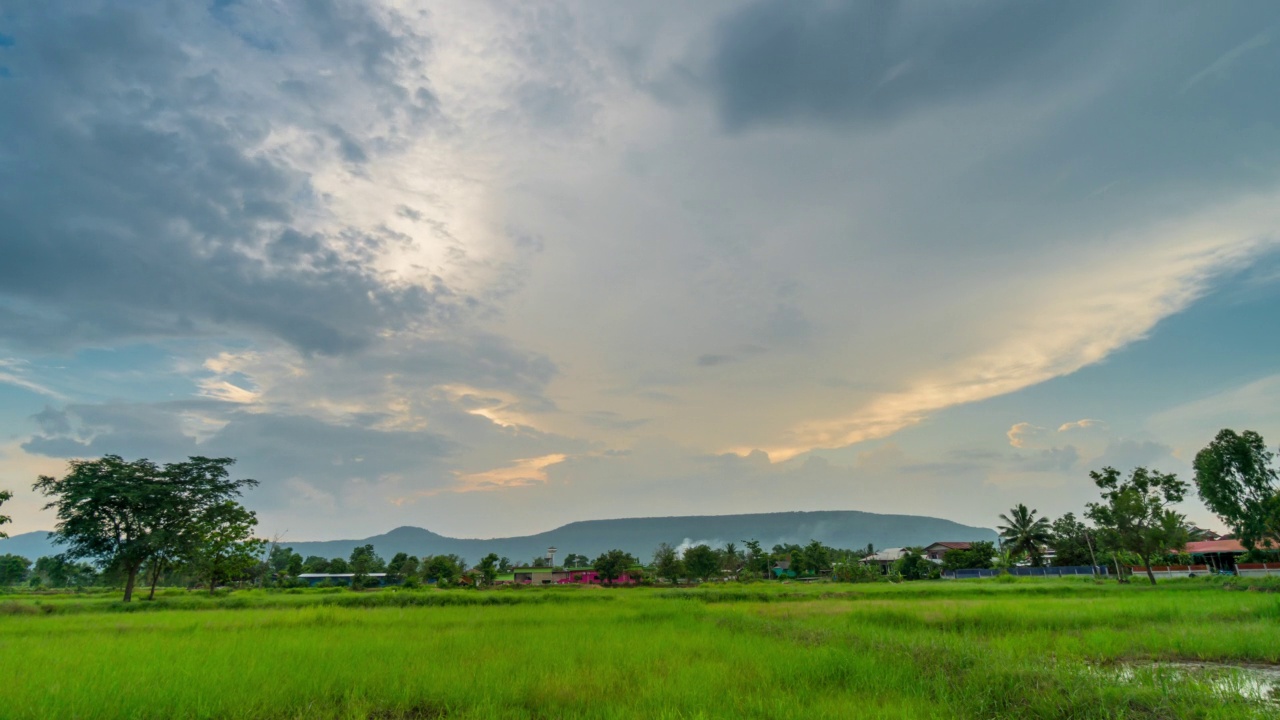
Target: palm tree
{"type": "Point", "coordinates": [1023, 532]}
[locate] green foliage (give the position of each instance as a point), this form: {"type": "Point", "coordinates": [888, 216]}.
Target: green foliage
{"type": "Point", "coordinates": [338, 566]}
{"type": "Point", "coordinates": [855, 572]}
{"type": "Point", "coordinates": [667, 564]}
{"type": "Point", "coordinates": [1236, 480]}
{"type": "Point", "coordinates": [442, 569]}
{"type": "Point", "coordinates": [701, 562]}
{"type": "Point", "coordinates": [315, 564]}
{"type": "Point", "coordinates": [757, 561]}
{"type": "Point", "coordinates": [1071, 540]}
{"type": "Point", "coordinates": [912, 566]}
{"type": "Point", "coordinates": [59, 572]}
{"type": "Point", "coordinates": [127, 513]}
{"type": "Point", "coordinates": [1134, 514]}
{"type": "Point", "coordinates": [978, 556]}
{"type": "Point", "coordinates": [13, 569]}
{"type": "Point", "coordinates": [1025, 534]}
{"type": "Point", "coordinates": [5, 519]}
{"type": "Point", "coordinates": [612, 564]}
{"type": "Point", "coordinates": [488, 568]}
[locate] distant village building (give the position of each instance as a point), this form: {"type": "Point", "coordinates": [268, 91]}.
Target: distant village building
{"type": "Point", "coordinates": [314, 579]}
{"type": "Point", "coordinates": [938, 551]}
{"type": "Point", "coordinates": [885, 558]}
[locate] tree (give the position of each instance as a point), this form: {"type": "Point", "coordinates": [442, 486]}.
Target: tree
{"type": "Point", "coordinates": [701, 562]}
{"type": "Point", "coordinates": [757, 558]}
{"type": "Point", "coordinates": [5, 519]}
{"type": "Point", "coordinates": [57, 571]}
{"type": "Point", "coordinates": [504, 563]}
{"type": "Point", "coordinates": [979, 556]}
{"type": "Point", "coordinates": [575, 560]}
{"type": "Point", "coordinates": [364, 560]}
{"type": "Point", "coordinates": [444, 569]}
{"type": "Point", "coordinates": [1135, 516]}
{"type": "Point", "coordinates": [1235, 479]}
{"type": "Point", "coordinates": [339, 566]}
{"type": "Point", "coordinates": [612, 564]}
{"type": "Point", "coordinates": [125, 513]}
{"type": "Point", "coordinates": [912, 565]}
{"type": "Point", "coordinates": [666, 563]}
{"type": "Point", "coordinates": [1023, 532]}
{"type": "Point", "coordinates": [223, 548]}
{"type": "Point", "coordinates": [395, 568]}
{"type": "Point", "coordinates": [1072, 542]}
{"type": "Point", "coordinates": [315, 564]}
{"type": "Point", "coordinates": [488, 568]}
{"type": "Point", "coordinates": [814, 560]}
{"type": "Point", "coordinates": [13, 569]}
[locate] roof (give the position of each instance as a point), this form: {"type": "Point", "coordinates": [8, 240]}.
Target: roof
{"type": "Point", "coordinates": [1214, 546]}
{"type": "Point", "coordinates": [952, 545]}
{"type": "Point", "coordinates": [308, 576]}
{"type": "Point", "coordinates": [886, 555]}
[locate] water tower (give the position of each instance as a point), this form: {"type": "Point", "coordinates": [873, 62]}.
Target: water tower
{"type": "Point", "coordinates": [551, 557]}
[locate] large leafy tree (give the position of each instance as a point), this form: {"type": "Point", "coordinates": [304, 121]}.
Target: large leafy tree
{"type": "Point", "coordinates": [612, 564]}
{"type": "Point", "coordinates": [1134, 515]}
{"type": "Point", "coordinates": [1072, 542]}
{"type": "Point", "coordinates": [488, 568]}
{"type": "Point", "coordinates": [5, 519]}
{"type": "Point", "coordinates": [701, 562]}
{"type": "Point", "coordinates": [125, 513]}
{"type": "Point", "coordinates": [363, 561]}
{"type": "Point", "coordinates": [666, 563]}
{"type": "Point", "coordinates": [1236, 480]}
{"type": "Point", "coordinates": [757, 558]}
{"type": "Point", "coordinates": [1024, 533]}
{"type": "Point", "coordinates": [224, 548]}
{"type": "Point", "coordinates": [13, 569]}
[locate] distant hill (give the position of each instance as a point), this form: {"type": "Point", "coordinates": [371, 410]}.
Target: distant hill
{"type": "Point", "coordinates": [639, 536]}
{"type": "Point", "coordinates": [30, 545]}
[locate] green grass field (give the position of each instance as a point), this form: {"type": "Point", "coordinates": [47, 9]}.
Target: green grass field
{"type": "Point", "coordinates": [973, 649]}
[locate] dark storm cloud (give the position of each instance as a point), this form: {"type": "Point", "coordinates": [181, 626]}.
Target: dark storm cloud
{"type": "Point", "coordinates": [873, 60]}
{"type": "Point", "coordinates": [138, 203]}
{"type": "Point", "coordinates": [270, 446]}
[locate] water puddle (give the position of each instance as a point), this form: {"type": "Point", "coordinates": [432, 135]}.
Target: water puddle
{"type": "Point", "coordinates": [1252, 681]}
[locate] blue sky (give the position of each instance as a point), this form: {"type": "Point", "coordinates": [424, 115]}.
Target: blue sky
{"type": "Point", "coordinates": [489, 267]}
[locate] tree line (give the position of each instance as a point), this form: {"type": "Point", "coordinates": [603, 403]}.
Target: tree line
{"type": "Point", "coordinates": [183, 521]}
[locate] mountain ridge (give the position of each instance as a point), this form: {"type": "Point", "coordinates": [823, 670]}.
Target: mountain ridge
{"type": "Point", "coordinates": [639, 536]}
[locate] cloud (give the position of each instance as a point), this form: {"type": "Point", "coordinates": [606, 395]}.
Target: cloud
{"type": "Point", "coordinates": [521, 473]}
{"type": "Point", "coordinates": [1021, 433]}
{"type": "Point", "coordinates": [1083, 424]}
{"type": "Point", "coordinates": [872, 61]}
{"type": "Point", "coordinates": [165, 187]}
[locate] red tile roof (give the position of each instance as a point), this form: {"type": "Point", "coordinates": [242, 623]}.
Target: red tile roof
{"type": "Point", "coordinates": [1215, 546]}
{"type": "Point", "coordinates": [954, 545]}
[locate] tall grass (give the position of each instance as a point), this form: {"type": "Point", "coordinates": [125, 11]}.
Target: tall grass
{"type": "Point", "coordinates": [921, 650]}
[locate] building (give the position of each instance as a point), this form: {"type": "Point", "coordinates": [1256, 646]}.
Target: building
{"type": "Point", "coordinates": [314, 579]}
{"type": "Point", "coordinates": [885, 558]}
{"type": "Point", "coordinates": [937, 551]}
{"type": "Point", "coordinates": [1217, 554]}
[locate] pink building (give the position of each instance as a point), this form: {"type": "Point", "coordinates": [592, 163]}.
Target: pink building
{"type": "Point", "coordinates": [591, 577]}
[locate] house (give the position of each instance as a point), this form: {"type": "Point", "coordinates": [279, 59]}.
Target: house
{"type": "Point", "coordinates": [589, 576]}
{"type": "Point", "coordinates": [537, 575]}
{"type": "Point", "coordinates": [885, 558]}
{"type": "Point", "coordinates": [1218, 554]}
{"type": "Point", "coordinates": [937, 551]}
{"type": "Point", "coordinates": [314, 579]}
{"type": "Point", "coordinates": [782, 569]}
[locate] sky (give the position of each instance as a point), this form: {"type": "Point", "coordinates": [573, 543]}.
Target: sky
{"type": "Point", "coordinates": [489, 266]}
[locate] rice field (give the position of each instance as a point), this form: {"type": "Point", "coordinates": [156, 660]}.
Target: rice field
{"type": "Point", "coordinates": [966, 649]}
